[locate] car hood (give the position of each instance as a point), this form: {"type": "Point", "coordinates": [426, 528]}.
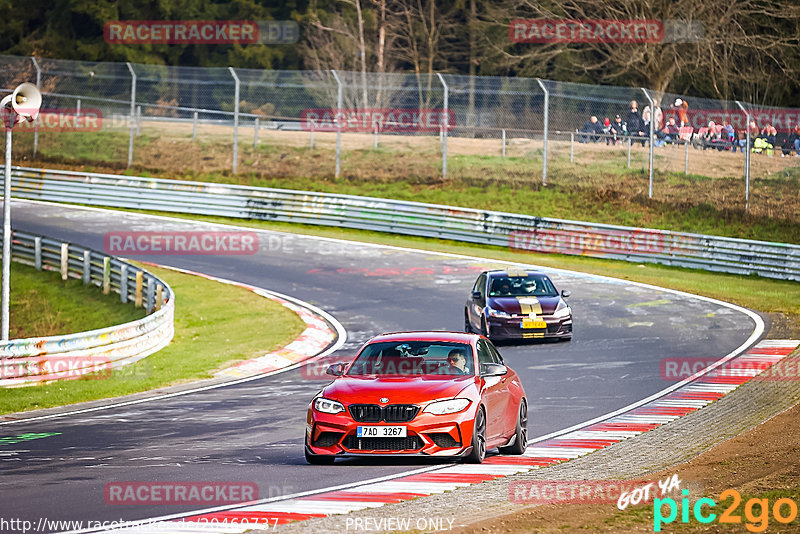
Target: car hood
{"type": "Point", "coordinates": [399, 390]}
{"type": "Point", "coordinates": [515, 305]}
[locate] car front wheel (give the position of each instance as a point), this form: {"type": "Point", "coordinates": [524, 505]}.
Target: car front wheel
{"type": "Point", "coordinates": [478, 452]}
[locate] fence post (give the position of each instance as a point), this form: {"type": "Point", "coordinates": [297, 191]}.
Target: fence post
{"type": "Point", "coordinates": [77, 111]}
{"type": "Point", "coordinates": [686, 159]}
{"type": "Point", "coordinates": [87, 266]}
{"type": "Point", "coordinates": [149, 304]}
{"type": "Point", "coordinates": [571, 147]}
{"type": "Point", "coordinates": [652, 120]}
{"type": "Point", "coordinates": [235, 118]}
{"type": "Point", "coordinates": [64, 261]}
{"type": "Point", "coordinates": [138, 294]}
{"type": "Point", "coordinates": [504, 142]}
{"type": "Point", "coordinates": [37, 253]}
{"type": "Point", "coordinates": [256, 126]}
{"type": "Point", "coordinates": [133, 110]}
{"type": "Point", "coordinates": [546, 119]}
{"type": "Point", "coordinates": [446, 125]}
{"type": "Point", "coordinates": [159, 296]}
{"type": "Point", "coordinates": [138, 120]}
{"type": "Point", "coordinates": [36, 122]}
{"type": "Point", "coordinates": [746, 159]}
{"type": "Point", "coordinates": [311, 142]}
{"type": "Point", "coordinates": [106, 275]}
{"type": "Point", "coordinates": [123, 283]}
{"type": "Point", "coordinates": [338, 125]}
{"type": "Point", "coordinates": [194, 126]}
{"type": "Point", "coordinates": [375, 138]}
{"type": "Point", "coordinates": [629, 152]}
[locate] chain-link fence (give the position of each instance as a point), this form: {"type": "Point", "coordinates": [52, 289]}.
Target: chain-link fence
{"type": "Point", "coordinates": [150, 112]}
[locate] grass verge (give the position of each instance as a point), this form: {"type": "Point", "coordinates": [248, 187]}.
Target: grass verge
{"type": "Point", "coordinates": [206, 315]}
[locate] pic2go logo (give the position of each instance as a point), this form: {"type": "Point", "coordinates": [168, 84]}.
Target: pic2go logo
{"type": "Point", "coordinates": [757, 522]}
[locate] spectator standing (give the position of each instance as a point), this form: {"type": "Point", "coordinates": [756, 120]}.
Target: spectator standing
{"type": "Point", "coordinates": [657, 117]}
{"type": "Point", "coordinates": [682, 108]}
{"type": "Point", "coordinates": [635, 123]}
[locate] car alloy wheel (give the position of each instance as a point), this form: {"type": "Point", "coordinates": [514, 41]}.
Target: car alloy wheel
{"type": "Point", "coordinates": [521, 433]}
{"type": "Point", "coordinates": [478, 452]}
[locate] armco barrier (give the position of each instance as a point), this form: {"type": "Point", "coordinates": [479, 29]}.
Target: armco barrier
{"type": "Point", "coordinates": [741, 256]}
{"type": "Point", "coordinates": [35, 360]}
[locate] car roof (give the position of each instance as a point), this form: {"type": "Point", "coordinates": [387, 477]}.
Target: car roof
{"type": "Point", "coordinates": [451, 337]}
{"type": "Point", "coordinates": [511, 272]}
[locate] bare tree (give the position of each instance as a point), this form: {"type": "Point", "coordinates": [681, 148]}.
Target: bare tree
{"type": "Point", "coordinates": [739, 43]}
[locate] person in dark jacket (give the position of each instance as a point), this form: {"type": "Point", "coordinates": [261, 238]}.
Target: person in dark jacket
{"type": "Point", "coordinates": [635, 122]}
{"type": "Point", "coordinates": [592, 127]}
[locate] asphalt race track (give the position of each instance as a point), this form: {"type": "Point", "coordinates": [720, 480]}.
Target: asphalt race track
{"type": "Point", "coordinates": [253, 431]}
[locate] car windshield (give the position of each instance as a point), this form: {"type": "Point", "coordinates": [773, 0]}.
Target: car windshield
{"type": "Point", "coordinates": [520, 286]}
{"type": "Point", "coordinates": [412, 358]}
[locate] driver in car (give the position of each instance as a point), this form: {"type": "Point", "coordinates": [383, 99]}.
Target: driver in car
{"type": "Point", "coordinates": [457, 363]}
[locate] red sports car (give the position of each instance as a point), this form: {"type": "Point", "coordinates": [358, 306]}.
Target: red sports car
{"type": "Point", "coordinates": [517, 304]}
{"type": "Point", "coordinates": [419, 393]}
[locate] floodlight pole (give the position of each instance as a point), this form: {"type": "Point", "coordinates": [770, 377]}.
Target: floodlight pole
{"type": "Point", "coordinates": [4, 297]}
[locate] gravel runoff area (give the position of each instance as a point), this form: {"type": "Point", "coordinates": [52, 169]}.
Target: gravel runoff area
{"type": "Point", "coordinates": [667, 446]}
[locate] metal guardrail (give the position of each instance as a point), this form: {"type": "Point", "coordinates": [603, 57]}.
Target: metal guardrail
{"type": "Point", "coordinates": [34, 360]}
{"type": "Point", "coordinates": [740, 256]}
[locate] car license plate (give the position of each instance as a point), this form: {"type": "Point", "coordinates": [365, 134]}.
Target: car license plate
{"type": "Point", "coordinates": [381, 432]}
{"type": "Point", "coordinates": [530, 323]}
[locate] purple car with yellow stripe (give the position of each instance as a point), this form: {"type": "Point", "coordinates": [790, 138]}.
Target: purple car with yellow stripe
{"type": "Point", "coordinates": [517, 304]}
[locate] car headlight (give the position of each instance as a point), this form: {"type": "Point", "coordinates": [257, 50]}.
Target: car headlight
{"type": "Point", "coordinates": [328, 406]}
{"type": "Point", "coordinates": [446, 406]}
{"type": "Point", "coordinates": [562, 311]}
{"type": "Point", "coordinates": [496, 313]}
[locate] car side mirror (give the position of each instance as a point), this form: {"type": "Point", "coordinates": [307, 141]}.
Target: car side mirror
{"type": "Point", "coordinates": [493, 369]}
{"type": "Point", "coordinates": [565, 293]}
{"type": "Point", "coordinates": [337, 369]}
{"type": "Point", "coordinates": [476, 295]}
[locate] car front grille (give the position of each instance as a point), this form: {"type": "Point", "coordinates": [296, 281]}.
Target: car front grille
{"type": "Point", "coordinates": [410, 443]}
{"type": "Point", "coordinates": [393, 413]}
